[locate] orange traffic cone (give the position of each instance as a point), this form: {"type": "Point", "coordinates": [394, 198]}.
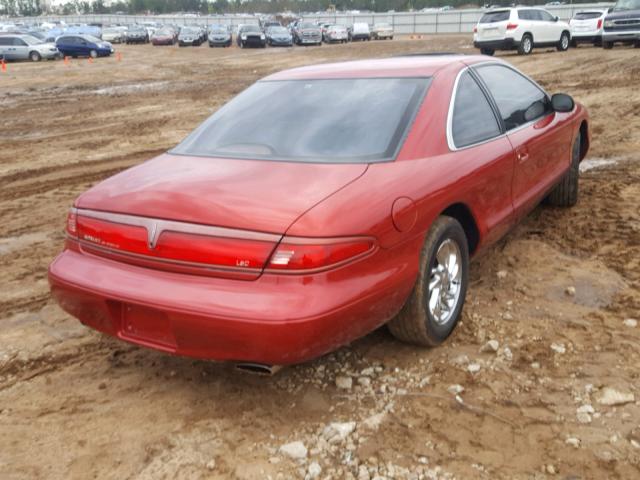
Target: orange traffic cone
{"type": "Point", "coordinates": [67, 60]}
{"type": "Point", "coordinates": [4, 66]}
{"type": "Point", "coordinates": [90, 60]}
{"type": "Point", "coordinates": [118, 56]}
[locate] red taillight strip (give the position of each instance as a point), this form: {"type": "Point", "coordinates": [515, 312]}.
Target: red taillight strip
{"type": "Point", "coordinates": [156, 226]}
{"type": "Point", "coordinates": [318, 241]}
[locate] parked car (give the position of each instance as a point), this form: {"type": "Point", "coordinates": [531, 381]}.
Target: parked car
{"type": "Point", "coordinates": [521, 29]}
{"type": "Point", "coordinates": [114, 35]}
{"type": "Point", "coordinates": [382, 31]}
{"type": "Point", "coordinates": [323, 30]}
{"type": "Point", "coordinates": [622, 24]}
{"type": "Point", "coordinates": [163, 36]}
{"type": "Point", "coordinates": [190, 36]}
{"type": "Point", "coordinates": [83, 46]}
{"type": "Point", "coordinates": [360, 31]}
{"type": "Point", "coordinates": [257, 238]}
{"type": "Point", "coordinates": [586, 27]}
{"type": "Point", "coordinates": [251, 36]}
{"type": "Point", "coordinates": [26, 47]}
{"type": "Point", "coordinates": [137, 34]}
{"type": "Point", "coordinates": [278, 37]}
{"type": "Point", "coordinates": [336, 33]}
{"type": "Point", "coordinates": [307, 33]}
{"type": "Point", "coordinates": [219, 36]}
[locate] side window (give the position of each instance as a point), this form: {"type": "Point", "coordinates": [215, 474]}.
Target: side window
{"type": "Point", "coordinates": [519, 100]}
{"type": "Point", "coordinates": [546, 16]}
{"type": "Point", "coordinates": [473, 119]}
{"type": "Point", "coordinates": [524, 15]}
{"type": "Point", "coordinates": [5, 41]}
{"type": "Point", "coordinates": [18, 42]}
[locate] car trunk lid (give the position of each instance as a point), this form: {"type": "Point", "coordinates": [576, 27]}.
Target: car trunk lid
{"type": "Point", "coordinates": [223, 217]}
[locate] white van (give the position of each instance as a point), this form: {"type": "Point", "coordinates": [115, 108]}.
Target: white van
{"type": "Point", "coordinates": [360, 31]}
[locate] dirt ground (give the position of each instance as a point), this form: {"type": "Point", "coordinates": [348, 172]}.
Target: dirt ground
{"type": "Point", "coordinates": [560, 398]}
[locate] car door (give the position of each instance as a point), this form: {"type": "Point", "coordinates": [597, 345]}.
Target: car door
{"type": "Point", "coordinates": [475, 133]}
{"type": "Point", "coordinates": [526, 23]}
{"type": "Point", "coordinates": [4, 47]}
{"type": "Point", "coordinates": [552, 28]}
{"type": "Point", "coordinates": [20, 49]}
{"type": "Point", "coordinates": [541, 139]}
{"type": "Point", "coordinates": [65, 45]}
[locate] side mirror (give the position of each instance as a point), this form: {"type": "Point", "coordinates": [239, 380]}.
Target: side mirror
{"type": "Point", "coordinates": [555, 19]}
{"type": "Point", "coordinates": [561, 102]}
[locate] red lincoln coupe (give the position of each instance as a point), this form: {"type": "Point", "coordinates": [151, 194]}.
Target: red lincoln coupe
{"type": "Point", "coordinates": [319, 204]}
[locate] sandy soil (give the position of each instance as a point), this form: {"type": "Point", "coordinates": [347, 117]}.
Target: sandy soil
{"type": "Point", "coordinates": [74, 404]}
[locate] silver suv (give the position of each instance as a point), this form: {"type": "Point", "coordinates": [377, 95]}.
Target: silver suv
{"type": "Point", "coordinates": [26, 47]}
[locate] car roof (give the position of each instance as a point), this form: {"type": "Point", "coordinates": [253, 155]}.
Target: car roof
{"type": "Point", "coordinates": [410, 66]}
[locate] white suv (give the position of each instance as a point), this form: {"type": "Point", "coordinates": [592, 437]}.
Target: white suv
{"type": "Point", "coordinates": [520, 29]}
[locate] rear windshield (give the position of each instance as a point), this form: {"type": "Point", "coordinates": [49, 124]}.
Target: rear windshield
{"type": "Point", "coordinates": [498, 16]}
{"type": "Point", "coordinates": [587, 15]}
{"type": "Point", "coordinates": [319, 121]}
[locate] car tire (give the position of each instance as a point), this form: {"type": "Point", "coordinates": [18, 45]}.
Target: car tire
{"type": "Point", "coordinates": [565, 41]}
{"type": "Point", "coordinates": [35, 57]}
{"type": "Point", "coordinates": [574, 44]}
{"type": "Point", "coordinates": [487, 51]}
{"type": "Point", "coordinates": [417, 322]}
{"type": "Point", "coordinates": [93, 54]}
{"type": "Point", "coordinates": [607, 45]}
{"type": "Point", "coordinates": [565, 194]}
{"type": "Point", "coordinates": [526, 45]}
{"type": "Point", "coordinates": [637, 44]}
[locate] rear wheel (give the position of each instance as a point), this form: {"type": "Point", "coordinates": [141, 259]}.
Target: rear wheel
{"type": "Point", "coordinates": [487, 51]}
{"type": "Point", "coordinates": [607, 45]}
{"type": "Point", "coordinates": [526, 45]}
{"type": "Point", "coordinates": [565, 194]}
{"type": "Point", "coordinates": [563, 44]}
{"type": "Point", "coordinates": [435, 304]}
{"type": "Point", "coordinates": [93, 54]}
{"type": "Point", "coordinates": [35, 57]}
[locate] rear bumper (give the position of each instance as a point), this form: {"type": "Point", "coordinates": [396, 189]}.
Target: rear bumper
{"type": "Point", "coordinates": [501, 44]}
{"type": "Point", "coordinates": [276, 319]}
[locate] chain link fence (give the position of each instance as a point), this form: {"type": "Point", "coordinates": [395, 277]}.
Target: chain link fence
{"type": "Point", "coordinates": [407, 23]}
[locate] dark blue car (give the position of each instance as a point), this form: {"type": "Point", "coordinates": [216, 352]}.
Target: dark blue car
{"type": "Point", "coordinates": [83, 46]}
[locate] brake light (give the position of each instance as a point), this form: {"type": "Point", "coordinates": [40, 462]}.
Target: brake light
{"type": "Point", "coordinates": [599, 23]}
{"type": "Point", "coordinates": [72, 222]}
{"type": "Point", "coordinates": [512, 26]}
{"type": "Point", "coordinates": [295, 254]}
{"type": "Point", "coordinates": [227, 252]}
{"type": "Point", "coordinates": [475, 29]}
{"type": "Point", "coordinates": [182, 247]}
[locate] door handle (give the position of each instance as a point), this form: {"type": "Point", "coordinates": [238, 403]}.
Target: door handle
{"type": "Point", "coordinates": [523, 157]}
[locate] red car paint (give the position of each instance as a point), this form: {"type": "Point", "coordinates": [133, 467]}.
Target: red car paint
{"type": "Point", "coordinates": [380, 213]}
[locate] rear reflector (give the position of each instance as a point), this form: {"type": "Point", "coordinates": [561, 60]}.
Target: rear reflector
{"type": "Point", "coordinates": [512, 26]}
{"type": "Point", "coordinates": [599, 24]}
{"type": "Point", "coordinates": [72, 218]}
{"type": "Point", "coordinates": [296, 255]}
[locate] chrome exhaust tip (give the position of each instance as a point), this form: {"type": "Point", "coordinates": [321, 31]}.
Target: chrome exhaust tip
{"type": "Point", "coordinates": [258, 368]}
